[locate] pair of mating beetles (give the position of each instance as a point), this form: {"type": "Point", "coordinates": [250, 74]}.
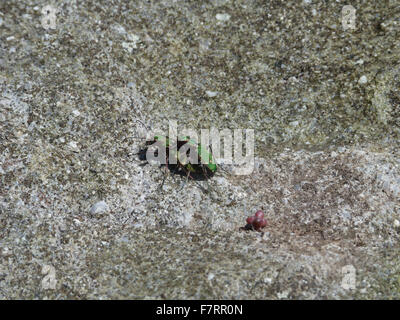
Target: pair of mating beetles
{"type": "Point", "coordinates": [202, 168]}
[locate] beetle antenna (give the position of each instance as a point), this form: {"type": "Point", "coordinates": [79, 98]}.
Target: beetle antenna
{"type": "Point", "coordinates": [142, 123]}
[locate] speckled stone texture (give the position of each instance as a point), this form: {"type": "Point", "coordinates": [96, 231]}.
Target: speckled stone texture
{"type": "Point", "coordinates": [81, 217]}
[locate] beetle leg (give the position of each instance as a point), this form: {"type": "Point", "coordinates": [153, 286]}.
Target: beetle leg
{"type": "Point", "coordinates": [201, 187]}
{"type": "Point", "coordinates": [206, 177]}
{"type": "Point", "coordinates": [166, 173]}
{"type": "Point", "coordinates": [187, 178]}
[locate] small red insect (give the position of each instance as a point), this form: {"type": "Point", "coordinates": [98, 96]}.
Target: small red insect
{"type": "Point", "coordinates": [256, 222]}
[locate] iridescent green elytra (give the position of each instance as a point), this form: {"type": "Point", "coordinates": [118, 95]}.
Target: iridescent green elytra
{"type": "Point", "coordinates": [205, 166]}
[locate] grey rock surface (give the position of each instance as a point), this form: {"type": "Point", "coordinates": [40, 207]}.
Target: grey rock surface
{"type": "Point", "coordinates": [99, 208]}
{"type": "Point", "coordinates": [325, 106]}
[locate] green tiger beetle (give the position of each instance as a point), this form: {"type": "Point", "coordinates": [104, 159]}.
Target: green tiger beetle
{"type": "Point", "coordinates": [202, 168]}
